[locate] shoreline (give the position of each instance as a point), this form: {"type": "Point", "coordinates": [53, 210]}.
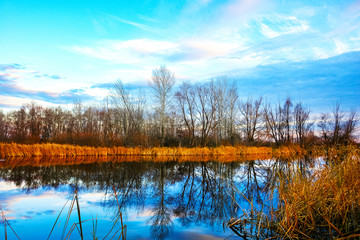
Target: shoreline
{"type": "Point", "coordinates": [59, 150]}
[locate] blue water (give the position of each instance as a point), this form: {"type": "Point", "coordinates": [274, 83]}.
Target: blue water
{"type": "Point", "coordinates": [171, 200]}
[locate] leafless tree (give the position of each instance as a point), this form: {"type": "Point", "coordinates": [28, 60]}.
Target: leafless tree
{"type": "Point", "coordinates": [130, 110]}
{"type": "Point", "coordinates": [287, 118]}
{"type": "Point", "coordinates": [162, 82]}
{"type": "Point", "coordinates": [232, 100]}
{"type": "Point", "coordinates": [185, 104]}
{"type": "Point", "coordinates": [324, 126]}
{"type": "Point", "coordinates": [78, 110]}
{"type": "Point", "coordinates": [206, 110]}
{"type": "Point", "coordinates": [338, 127]}
{"type": "Point", "coordinates": [251, 114]}
{"type": "Point", "coordinates": [302, 123]}
{"type": "Point", "coordinates": [19, 122]}
{"type": "Point", "coordinates": [220, 86]}
{"type": "Point", "coordinates": [4, 127]}
{"type": "Point", "coordinates": [350, 126]}
{"type": "Point", "coordinates": [226, 100]}
{"type": "Point", "coordinates": [279, 122]}
{"type": "Point", "coordinates": [48, 125]}
{"type": "Point", "coordinates": [34, 121]}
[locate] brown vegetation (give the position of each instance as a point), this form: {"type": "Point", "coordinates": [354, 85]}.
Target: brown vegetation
{"type": "Point", "coordinates": [13, 162]}
{"type": "Point", "coordinates": [324, 204]}
{"type": "Point", "coordinates": [35, 150]}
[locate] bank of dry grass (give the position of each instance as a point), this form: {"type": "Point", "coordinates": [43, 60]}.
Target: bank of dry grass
{"type": "Point", "coordinates": [13, 162]}
{"type": "Point", "coordinates": [35, 150]}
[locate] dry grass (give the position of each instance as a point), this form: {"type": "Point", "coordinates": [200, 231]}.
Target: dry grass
{"type": "Point", "coordinates": [290, 150]}
{"type": "Point", "coordinates": [322, 205]}
{"type": "Point", "coordinates": [326, 204]}
{"type": "Point", "coordinates": [43, 161]}
{"type": "Point", "coordinates": [35, 150]}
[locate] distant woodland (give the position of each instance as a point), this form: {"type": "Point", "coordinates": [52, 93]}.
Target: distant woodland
{"type": "Point", "coordinates": [189, 115]}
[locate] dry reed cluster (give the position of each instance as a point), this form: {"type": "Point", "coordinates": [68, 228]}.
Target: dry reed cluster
{"type": "Point", "coordinates": [12, 162]}
{"type": "Point", "coordinates": [289, 151]}
{"type": "Point", "coordinates": [21, 150]}
{"type": "Point", "coordinates": [326, 204]}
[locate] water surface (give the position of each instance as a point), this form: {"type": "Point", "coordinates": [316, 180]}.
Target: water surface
{"type": "Point", "coordinates": [159, 200]}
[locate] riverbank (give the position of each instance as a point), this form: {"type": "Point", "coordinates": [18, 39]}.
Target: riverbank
{"type": "Point", "coordinates": [38, 150]}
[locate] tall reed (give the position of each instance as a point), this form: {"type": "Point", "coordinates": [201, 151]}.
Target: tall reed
{"type": "Point", "coordinates": [35, 150]}
{"type": "Point", "coordinates": [75, 205]}
{"type": "Point", "coordinates": [324, 204]}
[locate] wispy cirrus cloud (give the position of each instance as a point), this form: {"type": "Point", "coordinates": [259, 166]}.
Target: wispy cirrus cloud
{"type": "Point", "coordinates": [127, 52]}
{"type": "Point", "coordinates": [138, 25]}
{"type": "Point", "coordinates": [241, 35]}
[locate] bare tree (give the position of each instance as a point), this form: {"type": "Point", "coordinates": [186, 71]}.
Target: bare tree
{"type": "Point", "coordinates": [338, 127]}
{"type": "Point", "coordinates": [324, 126]}
{"type": "Point", "coordinates": [34, 121]}
{"type": "Point", "coordinates": [232, 100]}
{"type": "Point", "coordinates": [48, 124]}
{"type": "Point", "coordinates": [286, 118]}
{"type": "Point", "coordinates": [349, 126]}
{"type": "Point", "coordinates": [19, 122]}
{"type": "Point", "coordinates": [275, 127]}
{"type": "Point", "coordinates": [206, 110]}
{"type": "Point", "coordinates": [279, 122]}
{"type": "Point", "coordinates": [302, 123]}
{"type": "Point", "coordinates": [220, 86]}
{"type": "Point", "coordinates": [162, 82]}
{"type": "Point", "coordinates": [130, 111]}
{"type": "Point", "coordinates": [185, 104]}
{"type": "Point", "coordinates": [4, 127]}
{"type": "Point", "coordinates": [251, 114]}
{"type": "Point", "coordinates": [78, 111]}
{"type": "Point", "coordinates": [226, 100]}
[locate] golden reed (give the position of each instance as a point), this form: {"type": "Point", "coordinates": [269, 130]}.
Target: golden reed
{"type": "Point", "coordinates": [50, 149]}
{"type": "Point", "coordinates": [327, 202]}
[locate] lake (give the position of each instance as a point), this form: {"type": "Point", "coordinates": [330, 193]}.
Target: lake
{"type": "Point", "coordinates": [171, 199]}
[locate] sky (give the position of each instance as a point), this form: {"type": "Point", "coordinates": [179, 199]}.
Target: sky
{"type": "Point", "coordinates": [55, 52]}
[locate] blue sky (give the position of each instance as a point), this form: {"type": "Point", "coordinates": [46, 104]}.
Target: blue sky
{"type": "Point", "coordinates": [56, 51]}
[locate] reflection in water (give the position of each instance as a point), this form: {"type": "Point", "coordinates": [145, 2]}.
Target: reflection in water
{"type": "Point", "coordinates": [178, 194]}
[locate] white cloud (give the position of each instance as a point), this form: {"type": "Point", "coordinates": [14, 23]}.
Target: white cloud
{"type": "Point", "coordinates": [7, 186]}
{"type": "Point", "coordinates": [278, 25]}
{"type": "Point", "coordinates": [99, 93]}
{"type": "Point", "coordinates": [268, 32]}
{"type": "Point", "coordinates": [341, 47]}
{"type": "Point", "coordinates": [20, 101]}
{"type": "Point", "coordinates": [141, 26]}
{"type": "Point", "coordinates": [127, 52]}
{"type": "Point", "coordinates": [129, 75]}
{"type": "Point", "coordinates": [320, 53]}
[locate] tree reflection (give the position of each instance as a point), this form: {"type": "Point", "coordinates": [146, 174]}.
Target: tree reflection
{"type": "Point", "coordinates": [161, 222]}
{"type": "Point", "coordinates": [198, 192]}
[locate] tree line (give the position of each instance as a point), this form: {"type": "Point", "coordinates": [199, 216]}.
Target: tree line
{"type": "Point", "coordinates": [190, 114]}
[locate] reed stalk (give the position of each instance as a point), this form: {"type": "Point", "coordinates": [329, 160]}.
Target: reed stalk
{"type": "Point", "coordinates": [79, 215]}
{"type": "Point", "coordinates": [37, 150]}
{"type": "Point", "coordinates": [321, 204]}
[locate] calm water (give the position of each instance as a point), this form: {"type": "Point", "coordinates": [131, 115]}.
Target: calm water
{"type": "Point", "coordinates": [159, 200]}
